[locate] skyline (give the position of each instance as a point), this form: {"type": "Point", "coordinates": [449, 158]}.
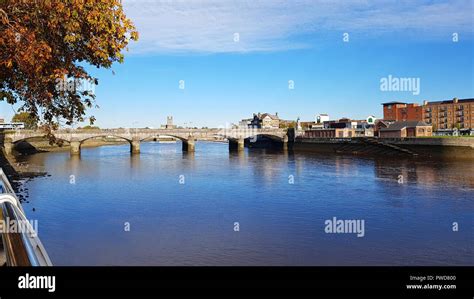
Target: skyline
{"type": "Point", "coordinates": [228, 77]}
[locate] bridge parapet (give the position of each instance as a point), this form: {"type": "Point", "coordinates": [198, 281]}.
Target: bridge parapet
{"type": "Point", "coordinates": [75, 137]}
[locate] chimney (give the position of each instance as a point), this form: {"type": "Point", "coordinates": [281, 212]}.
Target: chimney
{"type": "Point", "coordinates": [455, 100]}
{"type": "Point", "coordinates": [276, 114]}
{"type": "Point", "coordinates": [425, 102]}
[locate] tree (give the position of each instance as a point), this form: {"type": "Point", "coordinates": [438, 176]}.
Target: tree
{"type": "Point", "coordinates": [27, 119]}
{"type": "Point", "coordinates": [90, 128]}
{"type": "Point", "coordinates": [287, 124]}
{"type": "Point", "coordinates": [44, 46]}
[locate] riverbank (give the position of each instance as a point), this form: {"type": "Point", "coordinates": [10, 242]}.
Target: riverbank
{"type": "Point", "coordinates": [18, 172]}
{"type": "Point", "coordinates": [36, 145]}
{"type": "Point", "coordinates": [460, 148]}
{"type": "Point", "coordinates": [437, 148]}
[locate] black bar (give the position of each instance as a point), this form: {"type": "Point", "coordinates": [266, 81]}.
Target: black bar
{"type": "Point", "coordinates": [268, 282]}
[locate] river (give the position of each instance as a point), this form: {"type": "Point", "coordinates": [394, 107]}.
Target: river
{"type": "Point", "coordinates": [258, 207]}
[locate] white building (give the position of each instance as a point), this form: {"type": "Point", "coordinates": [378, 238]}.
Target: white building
{"type": "Point", "coordinates": [321, 118]}
{"type": "Point", "coordinates": [371, 119]}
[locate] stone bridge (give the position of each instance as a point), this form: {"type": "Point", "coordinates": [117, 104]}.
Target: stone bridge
{"type": "Point", "coordinates": [75, 138]}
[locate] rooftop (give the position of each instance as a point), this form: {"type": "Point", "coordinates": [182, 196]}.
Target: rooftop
{"type": "Point", "coordinates": [272, 116]}
{"type": "Point", "coordinates": [451, 101]}
{"type": "Point", "coordinates": [399, 125]}
{"type": "Point", "coordinates": [393, 103]}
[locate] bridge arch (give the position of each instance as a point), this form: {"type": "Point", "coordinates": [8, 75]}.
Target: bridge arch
{"type": "Point", "coordinates": [239, 142]}
{"type": "Point", "coordinates": [235, 137]}
{"type": "Point", "coordinates": [18, 140]}
{"type": "Point", "coordinates": [81, 141]}
{"type": "Point", "coordinates": [27, 144]}
{"type": "Point", "coordinates": [267, 135]}
{"type": "Point", "coordinates": [181, 138]}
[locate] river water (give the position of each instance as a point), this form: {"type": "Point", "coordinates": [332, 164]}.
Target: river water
{"type": "Point", "coordinates": [259, 207]}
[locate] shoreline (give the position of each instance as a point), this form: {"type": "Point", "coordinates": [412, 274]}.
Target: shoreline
{"type": "Point", "coordinates": [418, 148]}
{"type": "Point", "coordinates": [430, 148]}
{"type": "Point", "coordinates": [17, 172]}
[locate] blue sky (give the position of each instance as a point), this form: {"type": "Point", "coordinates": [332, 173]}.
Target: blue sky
{"type": "Point", "coordinates": [227, 80]}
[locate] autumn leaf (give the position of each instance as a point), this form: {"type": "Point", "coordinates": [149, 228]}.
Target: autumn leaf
{"type": "Point", "coordinates": [42, 42]}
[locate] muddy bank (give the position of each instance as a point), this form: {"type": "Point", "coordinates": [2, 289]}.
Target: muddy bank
{"type": "Point", "coordinates": [18, 173]}
{"type": "Point", "coordinates": [421, 148]}
{"type": "Point", "coordinates": [38, 145]}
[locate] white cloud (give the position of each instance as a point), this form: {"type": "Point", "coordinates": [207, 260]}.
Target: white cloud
{"type": "Point", "coordinates": [208, 26]}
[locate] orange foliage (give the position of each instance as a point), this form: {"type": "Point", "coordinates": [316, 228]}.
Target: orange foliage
{"type": "Point", "coordinates": [42, 41]}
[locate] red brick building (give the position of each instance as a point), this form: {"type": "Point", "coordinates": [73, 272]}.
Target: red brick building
{"type": "Point", "coordinates": [455, 113]}
{"type": "Point", "coordinates": [399, 111]}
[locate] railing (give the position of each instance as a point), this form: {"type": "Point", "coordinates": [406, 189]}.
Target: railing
{"type": "Point", "coordinates": [21, 247]}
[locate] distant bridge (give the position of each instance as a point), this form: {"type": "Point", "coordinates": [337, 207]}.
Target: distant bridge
{"type": "Point", "coordinates": [188, 137]}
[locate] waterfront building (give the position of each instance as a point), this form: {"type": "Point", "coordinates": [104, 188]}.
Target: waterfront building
{"type": "Point", "coordinates": [317, 126]}
{"type": "Point", "coordinates": [364, 132]}
{"type": "Point", "coordinates": [402, 129]}
{"type": "Point", "coordinates": [245, 123]}
{"type": "Point", "coordinates": [264, 121]}
{"type": "Point", "coordinates": [371, 120]}
{"type": "Point", "coordinates": [400, 111]}
{"type": "Point", "coordinates": [330, 133]}
{"type": "Point", "coordinates": [307, 125]}
{"type": "Point", "coordinates": [366, 127]}
{"type": "Point", "coordinates": [342, 128]}
{"type": "Point", "coordinates": [270, 121]}
{"type": "Point", "coordinates": [319, 122]}
{"type": "Point", "coordinates": [321, 118]}
{"type": "Point", "coordinates": [449, 115]}
{"type": "Point", "coordinates": [340, 124]}
{"type": "Point", "coordinates": [256, 122]}
{"type": "Point", "coordinates": [379, 124]}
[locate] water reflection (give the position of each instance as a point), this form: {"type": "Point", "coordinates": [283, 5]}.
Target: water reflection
{"type": "Point", "coordinates": [75, 163]}
{"type": "Point", "coordinates": [427, 172]}
{"type": "Point", "coordinates": [190, 222]}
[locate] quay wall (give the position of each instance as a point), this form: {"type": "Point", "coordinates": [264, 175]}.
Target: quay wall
{"type": "Point", "coordinates": [450, 148]}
